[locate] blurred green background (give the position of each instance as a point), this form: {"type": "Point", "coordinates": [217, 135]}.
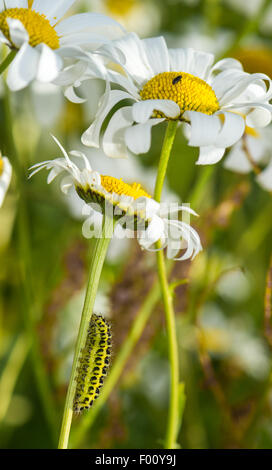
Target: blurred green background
{"type": "Point", "coordinates": [224, 342]}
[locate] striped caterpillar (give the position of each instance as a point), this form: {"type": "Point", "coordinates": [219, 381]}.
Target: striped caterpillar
{"type": "Point", "coordinates": [94, 363]}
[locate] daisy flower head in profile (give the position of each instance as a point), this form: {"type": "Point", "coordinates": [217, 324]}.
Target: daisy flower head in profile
{"type": "Point", "coordinates": [215, 102]}
{"type": "Point", "coordinates": [129, 204]}
{"type": "Point", "coordinates": [43, 40]}
{"type": "Point", "coordinates": [253, 153]}
{"type": "Point", "coordinates": [5, 177]}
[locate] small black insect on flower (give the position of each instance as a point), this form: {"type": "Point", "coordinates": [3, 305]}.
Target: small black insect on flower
{"type": "Point", "coordinates": [177, 79]}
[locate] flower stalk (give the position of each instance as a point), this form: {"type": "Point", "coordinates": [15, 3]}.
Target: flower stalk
{"type": "Point", "coordinates": [7, 61]}
{"type": "Point", "coordinates": [173, 415]}
{"type": "Point", "coordinates": [97, 263]}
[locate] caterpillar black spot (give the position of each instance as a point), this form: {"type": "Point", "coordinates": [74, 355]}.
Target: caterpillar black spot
{"type": "Point", "coordinates": [94, 363]}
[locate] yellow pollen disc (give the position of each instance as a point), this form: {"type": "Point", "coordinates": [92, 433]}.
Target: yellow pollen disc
{"type": "Point", "coordinates": [117, 186]}
{"type": "Point", "coordinates": [189, 92]}
{"type": "Point", "coordinates": [1, 165]}
{"type": "Point", "coordinates": [38, 26]}
{"type": "Point", "coordinates": [252, 132]}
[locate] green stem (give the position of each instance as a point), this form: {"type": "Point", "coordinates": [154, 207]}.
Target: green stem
{"type": "Point", "coordinates": [173, 415]}
{"type": "Point", "coordinates": [120, 360]}
{"type": "Point", "coordinates": [165, 155]}
{"type": "Point", "coordinates": [7, 60]}
{"type": "Point", "coordinates": [11, 373]}
{"type": "Point", "coordinates": [212, 11]}
{"type": "Point", "coordinates": [98, 258]}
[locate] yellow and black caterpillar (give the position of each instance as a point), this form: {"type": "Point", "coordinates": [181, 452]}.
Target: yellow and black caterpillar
{"type": "Point", "coordinates": [94, 363]}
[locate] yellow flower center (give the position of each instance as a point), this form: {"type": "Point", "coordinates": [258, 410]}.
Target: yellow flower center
{"type": "Point", "coordinates": [189, 92]}
{"type": "Point", "coordinates": [37, 25]}
{"type": "Point", "coordinates": [1, 165]}
{"type": "Point", "coordinates": [118, 186]}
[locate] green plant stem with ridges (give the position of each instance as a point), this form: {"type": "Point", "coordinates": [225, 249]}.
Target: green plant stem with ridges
{"type": "Point", "coordinates": [7, 61]}
{"type": "Point", "coordinates": [97, 263]}
{"type": "Point", "coordinates": [120, 360]}
{"type": "Point", "coordinates": [11, 372]}
{"type": "Point", "coordinates": [173, 414]}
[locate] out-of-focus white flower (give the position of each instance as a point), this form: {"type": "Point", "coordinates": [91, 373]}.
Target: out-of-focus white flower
{"type": "Point", "coordinates": [5, 177]}
{"type": "Point", "coordinates": [47, 101]}
{"type": "Point", "coordinates": [44, 40]}
{"type": "Point", "coordinates": [136, 210]}
{"type": "Point", "coordinates": [140, 16]}
{"type": "Point", "coordinates": [234, 286]}
{"type": "Point", "coordinates": [196, 36]}
{"type": "Point", "coordinates": [215, 101]}
{"type": "Point", "coordinates": [247, 8]}
{"type": "Point", "coordinates": [233, 339]}
{"type": "Point", "coordinates": [258, 144]}
{"type": "Point", "coordinates": [250, 9]}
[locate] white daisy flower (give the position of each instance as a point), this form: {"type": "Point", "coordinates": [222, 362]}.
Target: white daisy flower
{"type": "Point", "coordinates": [130, 205]}
{"type": "Point", "coordinates": [216, 101]}
{"type": "Point", "coordinates": [136, 15]}
{"type": "Point", "coordinates": [5, 177]}
{"type": "Point", "coordinates": [35, 28]}
{"type": "Point", "coordinates": [257, 154]}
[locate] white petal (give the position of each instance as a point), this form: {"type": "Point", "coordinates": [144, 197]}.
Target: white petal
{"type": "Point", "coordinates": [227, 63]}
{"type": "Point", "coordinates": [157, 54]}
{"type": "Point", "coordinates": [109, 100]}
{"type": "Point", "coordinates": [151, 207]}
{"type": "Point", "coordinates": [130, 53]}
{"type": "Point", "coordinates": [265, 178]}
{"type": "Point", "coordinates": [89, 22]}
{"type": "Point", "coordinates": [232, 130]}
{"type": "Point", "coordinates": [54, 172]}
{"type": "Point", "coordinates": [114, 141]}
{"type": "Point", "coordinates": [49, 64]}
{"type": "Point", "coordinates": [48, 102]}
{"type": "Point", "coordinates": [5, 179]}
{"type": "Point", "coordinates": [210, 155]}
{"type": "Point", "coordinates": [23, 68]}
{"type": "Point", "coordinates": [16, 3]}
{"type": "Point", "coordinates": [3, 38]}
{"type": "Point", "coordinates": [191, 61]}
{"type": "Point", "coordinates": [153, 233]}
{"type": "Point", "coordinates": [237, 160]}
{"type": "Point", "coordinates": [241, 85]}
{"type": "Point", "coordinates": [143, 110]}
{"type": "Point", "coordinates": [225, 81]}
{"type": "Point", "coordinates": [204, 128]}
{"type": "Point", "coordinates": [71, 74]}
{"type": "Point", "coordinates": [52, 9]}
{"type": "Point", "coordinates": [71, 95]}
{"type": "Point", "coordinates": [138, 137]}
{"type": "Point", "coordinates": [18, 33]}
{"type": "Point", "coordinates": [259, 118]}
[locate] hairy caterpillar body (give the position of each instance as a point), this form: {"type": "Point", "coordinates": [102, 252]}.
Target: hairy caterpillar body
{"type": "Point", "coordinates": [94, 363]}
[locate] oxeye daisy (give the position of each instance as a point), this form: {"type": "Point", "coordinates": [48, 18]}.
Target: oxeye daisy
{"type": "Point", "coordinates": [215, 102]}
{"type": "Point", "coordinates": [43, 39]}
{"type": "Point", "coordinates": [253, 152]}
{"type": "Point", "coordinates": [5, 177]}
{"type": "Point", "coordinates": [129, 204]}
